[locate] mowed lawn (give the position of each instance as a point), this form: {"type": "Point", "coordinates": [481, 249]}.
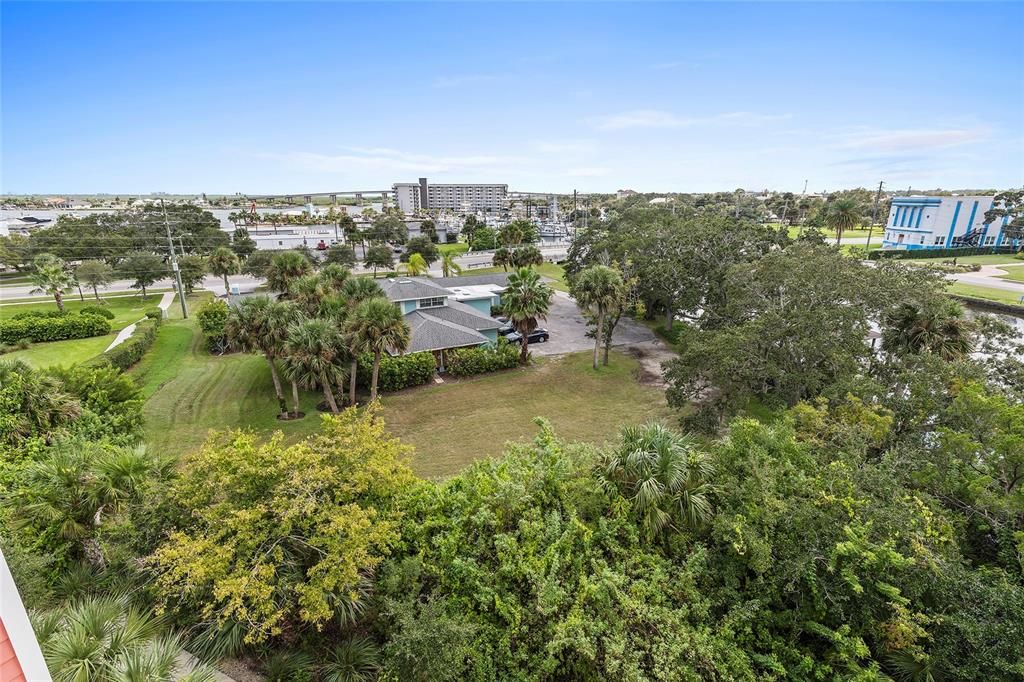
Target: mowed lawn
{"type": "Point", "coordinates": [61, 353]}
{"type": "Point", "coordinates": [189, 392]}
{"type": "Point", "coordinates": [455, 423]}
{"type": "Point", "coordinates": [1014, 273]}
{"type": "Point", "coordinates": [987, 293]}
{"type": "Point", "coordinates": [126, 309]}
{"type": "Point", "coordinates": [553, 271]}
{"type": "Point", "coordinates": [989, 259]}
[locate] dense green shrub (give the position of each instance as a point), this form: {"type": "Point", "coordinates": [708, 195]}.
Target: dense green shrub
{"type": "Point", "coordinates": [900, 254]}
{"type": "Point", "coordinates": [97, 310]}
{"type": "Point", "coordinates": [155, 314]}
{"type": "Point", "coordinates": [463, 362]}
{"type": "Point", "coordinates": [131, 351]}
{"type": "Point", "coordinates": [57, 328]}
{"type": "Point", "coordinates": [30, 314]}
{"type": "Point", "coordinates": [399, 372]}
{"type": "Point", "coordinates": [212, 317]}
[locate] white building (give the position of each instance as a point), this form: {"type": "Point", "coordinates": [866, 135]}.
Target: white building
{"type": "Point", "coordinates": [942, 222]}
{"type": "Point", "coordinates": [464, 198]}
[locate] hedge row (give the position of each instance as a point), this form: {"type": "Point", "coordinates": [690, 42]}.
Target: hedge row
{"type": "Point", "coordinates": [940, 253]}
{"type": "Point", "coordinates": [398, 372]}
{"type": "Point", "coordinates": [464, 362]}
{"type": "Point", "coordinates": [57, 328]}
{"type": "Point", "coordinates": [127, 353]}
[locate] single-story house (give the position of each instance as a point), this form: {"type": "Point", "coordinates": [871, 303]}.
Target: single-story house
{"type": "Point", "coordinates": [446, 313]}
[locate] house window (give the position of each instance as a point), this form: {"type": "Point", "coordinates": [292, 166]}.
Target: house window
{"type": "Point", "coordinates": [990, 240]}
{"type": "Point", "coordinates": [939, 240]}
{"type": "Point", "coordinates": [435, 302]}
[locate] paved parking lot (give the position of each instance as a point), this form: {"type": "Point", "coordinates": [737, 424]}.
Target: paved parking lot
{"type": "Point", "coordinates": [568, 330]}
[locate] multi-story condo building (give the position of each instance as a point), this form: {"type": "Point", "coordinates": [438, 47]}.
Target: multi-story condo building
{"type": "Point", "coordinates": [412, 197]}
{"type": "Point", "coordinates": [943, 222]}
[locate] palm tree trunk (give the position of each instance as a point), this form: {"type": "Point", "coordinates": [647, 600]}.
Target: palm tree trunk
{"type": "Point", "coordinates": [352, 383]}
{"type": "Point", "coordinates": [329, 394]}
{"type": "Point", "coordinates": [227, 287]}
{"type": "Point", "coordinates": [59, 298]}
{"type": "Point", "coordinates": [376, 371]}
{"type": "Point", "coordinates": [598, 337]}
{"type": "Point", "coordinates": [524, 349]}
{"type": "Point", "coordinates": [277, 385]}
{"type": "Point", "coordinates": [295, 398]}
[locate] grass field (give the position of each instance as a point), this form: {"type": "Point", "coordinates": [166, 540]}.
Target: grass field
{"type": "Point", "coordinates": [189, 392]}
{"type": "Point", "coordinates": [126, 309]}
{"type": "Point", "coordinates": [455, 423]}
{"type": "Point", "coordinates": [992, 259]}
{"type": "Point", "coordinates": [553, 271]}
{"type": "Point", "coordinates": [62, 353]}
{"type": "Point", "coordinates": [1014, 273]}
{"type": "Point", "coordinates": [794, 231]}
{"type": "Point", "coordinates": [987, 293]}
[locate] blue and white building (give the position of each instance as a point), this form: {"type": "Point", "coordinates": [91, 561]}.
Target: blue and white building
{"type": "Point", "coordinates": [942, 223]}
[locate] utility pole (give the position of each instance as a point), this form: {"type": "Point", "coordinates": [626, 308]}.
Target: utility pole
{"type": "Point", "coordinates": [174, 263]}
{"type": "Point", "coordinates": [874, 219]}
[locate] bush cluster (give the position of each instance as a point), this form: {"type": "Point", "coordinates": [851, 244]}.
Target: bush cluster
{"type": "Point", "coordinates": [45, 327]}
{"type": "Point", "coordinates": [464, 362]}
{"type": "Point", "coordinates": [97, 310]}
{"type": "Point", "coordinates": [399, 372]}
{"type": "Point", "coordinates": [130, 351]}
{"type": "Point", "coordinates": [901, 254]}
{"type": "Point", "coordinates": [213, 317]}
{"type": "Point", "coordinates": [155, 314]}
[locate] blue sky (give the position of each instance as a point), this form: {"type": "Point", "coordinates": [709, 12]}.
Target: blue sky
{"type": "Point", "coordinates": [292, 97]}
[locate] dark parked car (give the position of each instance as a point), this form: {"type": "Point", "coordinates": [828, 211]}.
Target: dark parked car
{"type": "Point", "coordinates": [505, 329]}
{"type": "Point", "coordinates": [536, 336]}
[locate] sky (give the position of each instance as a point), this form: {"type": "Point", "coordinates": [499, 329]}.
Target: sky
{"type": "Point", "coordinates": [291, 97]}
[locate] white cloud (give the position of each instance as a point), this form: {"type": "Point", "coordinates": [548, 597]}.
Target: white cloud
{"type": "Point", "coordinates": [654, 118]}
{"type": "Point", "coordinates": [911, 139]}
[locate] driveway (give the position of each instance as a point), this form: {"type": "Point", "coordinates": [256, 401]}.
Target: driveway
{"type": "Point", "coordinates": [568, 330]}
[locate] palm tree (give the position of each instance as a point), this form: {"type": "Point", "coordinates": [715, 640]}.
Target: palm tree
{"type": "Point", "coordinates": [525, 257]}
{"type": "Point", "coordinates": [223, 263]}
{"type": "Point", "coordinates": [334, 276]}
{"type": "Point", "coordinates": [51, 277]}
{"type": "Point", "coordinates": [526, 301]}
{"type": "Point", "coordinates": [842, 215]}
{"type": "Point", "coordinates": [449, 268]}
{"type": "Point", "coordinates": [940, 329]}
{"type": "Point", "coordinates": [380, 326]}
{"type": "Point", "coordinates": [40, 405]}
{"type": "Point", "coordinates": [286, 267]}
{"type": "Point", "coordinates": [600, 290]}
{"type": "Point", "coordinates": [255, 325]}
{"type": "Point", "coordinates": [106, 639]}
{"type": "Point", "coordinates": [352, 660]}
{"type": "Point", "coordinates": [664, 477]}
{"type": "Point", "coordinates": [417, 265]}
{"type": "Point", "coordinates": [307, 292]}
{"type": "Point", "coordinates": [310, 356]}
{"type": "Point", "coordinates": [358, 289]}
{"type": "Point", "coordinates": [78, 486]}
{"type": "Point", "coordinates": [502, 257]}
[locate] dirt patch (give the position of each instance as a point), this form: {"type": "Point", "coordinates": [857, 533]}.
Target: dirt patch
{"type": "Point", "coordinates": [650, 355]}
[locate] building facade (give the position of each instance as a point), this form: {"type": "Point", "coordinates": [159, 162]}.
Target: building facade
{"type": "Point", "coordinates": [943, 222]}
{"type": "Point", "coordinates": [464, 198]}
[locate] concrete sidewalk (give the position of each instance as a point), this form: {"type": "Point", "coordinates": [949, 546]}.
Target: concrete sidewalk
{"type": "Point", "coordinates": [126, 333]}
